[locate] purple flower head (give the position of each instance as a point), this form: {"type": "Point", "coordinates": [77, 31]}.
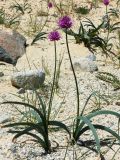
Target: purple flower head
{"type": "Point", "coordinates": [50, 5]}
{"type": "Point", "coordinates": [54, 36]}
{"type": "Point", "coordinates": [65, 22]}
{"type": "Point", "coordinates": [106, 2]}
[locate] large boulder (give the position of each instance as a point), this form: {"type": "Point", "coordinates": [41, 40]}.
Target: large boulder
{"type": "Point", "coordinates": [5, 57]}
{"type": "Point", "coordinates": [31, 79]}
{"type": "Point", "coordinates": [13, 43]}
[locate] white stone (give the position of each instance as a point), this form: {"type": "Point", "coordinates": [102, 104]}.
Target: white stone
{"type": "Point", "coordinates": [85, 64]}
{"type": "Point", "coordinates": [30, 79]}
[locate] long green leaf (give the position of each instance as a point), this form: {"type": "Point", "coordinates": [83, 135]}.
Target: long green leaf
{"type": "Point", "coordinates": [101, 127]}
{"type": "Point", "coordinates": [92, 128]}
{"type": "Point", "coordinates": [26, 105]}
{"type": "Point", "coordinates": [18, 124]}
{"type": "Point", "coordinates": [42, 143]}
{"type": "Point", "coordinates": [30, 113]}
{"type": "Point", "coordinates": [90, 23]}
{"type": "Point", "coordinates": [39, 36]}
{"type": "Point", "coordinates": [101, 112]}
{"type": "Point", "coordinates": [36, 127]}
{"type": "Point", "coordinates": [42, 104]}
{"type": "Point", "coordinates": [59, 124]}
{"type": "Point", "coordinates": [87, 101]}
{"type": "Point", "coordinates": [91, 115]}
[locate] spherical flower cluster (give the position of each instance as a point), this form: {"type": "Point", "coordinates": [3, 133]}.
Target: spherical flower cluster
{"type": "Point", "coordinates": [106, 2]}
{"type": "Point", "coordinates": [65, 22]}
{"type": "Point", "coordinates": [54, 36]}
{"type": "Point", "coordinates": [50, 5]}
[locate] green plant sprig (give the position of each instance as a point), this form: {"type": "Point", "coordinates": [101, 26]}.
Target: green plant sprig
{"type": "Point", "coordinates": [41, 126]}
{"type": "Point", "coordinates": [22, 8]}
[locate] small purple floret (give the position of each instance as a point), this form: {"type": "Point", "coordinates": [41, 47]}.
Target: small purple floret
{"type": "Point", "coordinates": [54, 36]}
{"type": "Point", "coordinates": [65, 22]}
{"type": "Point", "coordinates": [106, 2]}
{"type": "Point", "coordinates": [50, 5]}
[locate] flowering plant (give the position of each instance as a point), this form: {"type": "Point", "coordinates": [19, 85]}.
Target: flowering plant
{"type": "Point", "coordinates": [54, 36]}
{"type": "Point", "coordinates": [65, 22]}
{"type": "Point", "coordinates": [106, 2]}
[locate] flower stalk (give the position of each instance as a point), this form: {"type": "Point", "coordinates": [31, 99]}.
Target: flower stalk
{"type": "Point", "coordinates": [75, 78]}
{"type": "Point", "coordinates": [66, 23]}
{"type": "Point", "coordinates": [106, 3]}
{"type": "Point", "coordinates": [53, 36]}
{"type": "Point", "coordinates": [53, 85]}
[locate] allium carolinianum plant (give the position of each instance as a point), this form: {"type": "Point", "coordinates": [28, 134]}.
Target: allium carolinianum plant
{"type": "Point", "coordinates": [83, 123]}
{"type": "Point", "coordinates": [53, 36]}
{"type": "Point", "coordinates": [106, 3]}
{"type": "Point", "coordinates": [66, 23]}
{"type": "Point", "coordinates": [40, 112]}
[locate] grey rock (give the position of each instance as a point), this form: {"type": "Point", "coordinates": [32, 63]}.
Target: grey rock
{"type": "Point", "coordinates": [5, 57]}
{"type": "Point", "coordinates": [84, 64]}
{"type": "Point", "coordinates": [28, 79]}
{"type": "Point", "coordinates": [13, 44]}
{"type": "Point", "coordinates": [1, 74]}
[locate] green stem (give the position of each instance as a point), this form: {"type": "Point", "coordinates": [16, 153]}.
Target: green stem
{"type": "Point", "coordinates": [75, 78]}
{"type": "Point", "coordinates": [96, 4]}
{"type": "Point", "coordinates": [108, 20]}
{"type": "Point", "coordinates": [54, 77]}
{"type": "Point", "coordinates": [107, 39]}
{"type": "Point", "coordinates": [106, 10]}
